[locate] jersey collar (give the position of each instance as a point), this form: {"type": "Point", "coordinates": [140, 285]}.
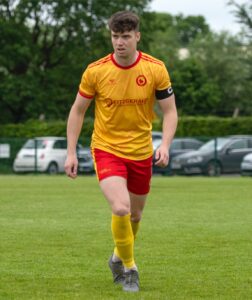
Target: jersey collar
{"type": "Point", "coordinates": [126, 67]}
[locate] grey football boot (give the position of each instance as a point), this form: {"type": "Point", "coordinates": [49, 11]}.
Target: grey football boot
{"type": "Point", "coordinates": [117, 270]}
{"type": "Point", "coordinates": [131, 281]}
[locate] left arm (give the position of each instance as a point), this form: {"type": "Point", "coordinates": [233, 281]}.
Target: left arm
{"type": "Point", "coordinates": [170, 120]}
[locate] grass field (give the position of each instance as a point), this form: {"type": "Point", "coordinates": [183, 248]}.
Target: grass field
{"type": "Point", "coordinates": [195, 240]}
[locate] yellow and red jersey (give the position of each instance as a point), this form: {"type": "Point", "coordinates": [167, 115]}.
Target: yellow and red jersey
{"type": "Point", "coordinates": [124, 100]}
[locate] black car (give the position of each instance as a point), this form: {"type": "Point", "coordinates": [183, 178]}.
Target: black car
{"type": "Point", "coordinates": [178, 146]}
{"type": "Point", "coordinates": [217, 156]}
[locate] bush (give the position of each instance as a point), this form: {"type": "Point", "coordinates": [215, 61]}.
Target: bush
{"type": "Point", "coordinates": [187, 126]}
{"type": "Point", "coordinates": [35, 128]}
{"type": "Point", "coordinates": [210, 126]}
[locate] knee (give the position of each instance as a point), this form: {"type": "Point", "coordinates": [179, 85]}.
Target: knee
{"type": "Point", "coordinates": [120, 210]}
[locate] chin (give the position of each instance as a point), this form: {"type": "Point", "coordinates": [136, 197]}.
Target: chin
{"type": "Point", "coordinates": [123, 55]}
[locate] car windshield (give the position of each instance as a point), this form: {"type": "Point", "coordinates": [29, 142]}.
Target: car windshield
{"type": "Point", "coordinates": [30, 144]}
{"type": "Point", "coordinates": [209, 146]}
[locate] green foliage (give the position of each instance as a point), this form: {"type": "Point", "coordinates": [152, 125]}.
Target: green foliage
{"type": "Point", "coordinates": [190, 27]}
{"type": "Point", "coordinates": [210, 126]}
{"type": "Point", "coordinates": [224, 60]}
{"type": "Point", "coordinates": [34, 128]}
{"type": "Point", "coordinates": [44, 48]}
{"type": "Point", "coordinates": [243, 13]}
{"type": "Point", "coordinates": [170, 33]}
{"type": "Point", "coordinates": [214, 76]}
{"type": "Point", "coordinates": [195, 92]}
{"type": "Point", "coordinates": [164, 42]}
{"type": "Point", "coordinates": [187, 126]}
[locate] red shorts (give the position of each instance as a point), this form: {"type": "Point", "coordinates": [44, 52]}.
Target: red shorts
{"type": "Point", "coordinates": [136, 172]}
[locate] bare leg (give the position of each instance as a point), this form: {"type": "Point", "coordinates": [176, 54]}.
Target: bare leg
{"type": "Point", "coordinates": [137, 203]}
{"type": "Point", "coordinates": [115, 190]}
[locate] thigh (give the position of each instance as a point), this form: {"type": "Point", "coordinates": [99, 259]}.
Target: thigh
{"type": "Point", "coordinates": [112, 173]}
{"type": "Point", "coordinates": [115, 191]}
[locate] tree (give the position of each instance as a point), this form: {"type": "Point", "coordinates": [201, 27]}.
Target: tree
{"type": "Point", "coordinates": [224, 59]}
{"type": "Point", "coordinates": [189, 28]}
{"type": "Point", "coordinates": [173, 33]}
{"type": "Point", "coordinates": [196, 93]}
{"type": "Point", "coordinates": [44, 47]}
{"type": "Point", "coordinates": [243, 13]}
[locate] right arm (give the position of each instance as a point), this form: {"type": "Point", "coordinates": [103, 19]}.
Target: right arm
{"type": "Point", "coordinates": [74, 125]}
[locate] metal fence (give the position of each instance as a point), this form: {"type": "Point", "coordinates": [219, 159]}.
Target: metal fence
{"type": "Point", "coordinates": [9, 148]}
{"type": "Point", "coordinates": [23, 155]}
{"type": "Point", "coordinates": [220, 155]}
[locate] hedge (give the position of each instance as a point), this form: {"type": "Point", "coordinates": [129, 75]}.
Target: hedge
{"type": "Point", "coordinates": [210, 126]}
{"type": "Point", "coordinates": [187, 126]}
{"type": "Point", "coordinates": [35, 128]}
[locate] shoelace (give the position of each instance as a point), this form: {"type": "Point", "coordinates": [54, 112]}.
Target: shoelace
{"type": "Point", "coordinates": [131, 277]}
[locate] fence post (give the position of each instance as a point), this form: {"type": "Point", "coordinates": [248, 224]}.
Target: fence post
{"type": "Point", "coordinates": [215, 157]}
{"type": "Point", "coordinates": [36, 155]}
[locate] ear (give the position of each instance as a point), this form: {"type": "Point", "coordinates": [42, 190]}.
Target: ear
{"type": "Point", "coordinates": [138, 36]}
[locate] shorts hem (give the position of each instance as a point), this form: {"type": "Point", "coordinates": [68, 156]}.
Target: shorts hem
{"type": "Point", "coordinates": [110, 175]}
{"type": "Point", "coordinates": [138, 193]}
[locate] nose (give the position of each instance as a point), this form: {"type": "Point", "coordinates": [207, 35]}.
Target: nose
{"type": "Point", "coordinates": [119, 41]}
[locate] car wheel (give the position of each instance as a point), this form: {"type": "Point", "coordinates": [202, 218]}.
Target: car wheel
{"type": "Point", "coordinates": [213, 168]}
{"type": "Point", "coordinates": [52, 168]}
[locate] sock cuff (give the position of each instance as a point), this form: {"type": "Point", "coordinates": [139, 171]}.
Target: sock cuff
{"type": "Point", "coordinates": [121, 218]}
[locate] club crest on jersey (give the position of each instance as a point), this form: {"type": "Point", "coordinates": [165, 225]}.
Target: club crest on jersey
{"type": "Point", "coordinates": [141, 80]}
{"type": "Point", "coordinates": [112, 81]}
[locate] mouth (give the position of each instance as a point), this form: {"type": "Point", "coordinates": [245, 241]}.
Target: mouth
{"type": "Point", "coordinates": [120, 49]}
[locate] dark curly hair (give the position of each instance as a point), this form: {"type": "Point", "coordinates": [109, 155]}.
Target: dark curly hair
{"type": "Point", "coordinates": [124, 21]}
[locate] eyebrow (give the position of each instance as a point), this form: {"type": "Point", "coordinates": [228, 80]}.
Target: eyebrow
{"type": "Point", "coordinates": [123, 34]}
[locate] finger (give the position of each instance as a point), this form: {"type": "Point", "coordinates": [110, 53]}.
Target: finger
{"type": "Point", "coordinates": [72, 175]}
{"type": "Point", "coordinates": [70, 171]}
{"type": "Point", "coordinates": [160, 160]}
{"type": "Point", "coordinates": [67, 170]}
{"type": "Point", "coordinates": [75, 169]}
{"type": "Point", "coordinates": [163, 161]}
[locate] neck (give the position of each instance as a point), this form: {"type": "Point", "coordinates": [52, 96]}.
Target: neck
{"type": "Point", "coordinates": [126, 60]}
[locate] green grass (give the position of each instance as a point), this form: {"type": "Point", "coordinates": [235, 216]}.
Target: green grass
{"type": "Point", "coordinates": [195, 240]}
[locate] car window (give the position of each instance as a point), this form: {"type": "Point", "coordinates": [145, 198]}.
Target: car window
{"type": "Point", "coordinates": [191, 145]}
{"type": "Point", "coordinates": [176, 145]}
{"type": "Point", "coordinates": [64, 144]}
{"type": "Point", "coordinates": [30, 144]}
{"type": "Point", "coordinates": [240, 144]}
{"type": "Point", "coordinates": [209, 146]}
{"type": "Point", "coordinates": [60, 144]}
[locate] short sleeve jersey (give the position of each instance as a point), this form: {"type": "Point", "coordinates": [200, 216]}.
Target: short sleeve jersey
{"type": "Point", "coordinates": [124, 100]}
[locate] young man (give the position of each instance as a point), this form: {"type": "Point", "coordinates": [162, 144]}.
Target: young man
{"type": "Point", "coordinates": [125, 85]}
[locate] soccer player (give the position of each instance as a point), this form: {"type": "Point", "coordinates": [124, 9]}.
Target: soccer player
{"type": "Point", "coordinates": [124, 86]}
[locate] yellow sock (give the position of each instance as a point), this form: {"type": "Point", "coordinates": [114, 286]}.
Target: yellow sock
{"type": "Point", "coordinates": [135, 228]}
{"type": "Point", "coordinates": [124, 239]}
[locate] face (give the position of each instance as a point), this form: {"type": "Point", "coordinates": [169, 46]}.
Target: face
{"type": "Point", "coordinates": [125, 44]}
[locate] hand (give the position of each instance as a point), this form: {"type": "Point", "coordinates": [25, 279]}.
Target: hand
{"type": "Point", "coordinates": [71, 166]}
{"type": "Point", "coordinates": [162, 156]}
